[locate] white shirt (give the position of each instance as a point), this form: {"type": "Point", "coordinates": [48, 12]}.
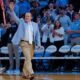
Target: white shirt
{"type": "Point", "coordinates": [28, 32]}
{"type": "Point", "coordinates": [47, 32]}
{"type": "Point", "coordinates": [60, 31]}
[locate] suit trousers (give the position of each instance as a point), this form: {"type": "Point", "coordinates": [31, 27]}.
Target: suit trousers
{"type": "Point", "coordinates": [13, 49]}
{"type": "Point", "coordinates": [28, 51]}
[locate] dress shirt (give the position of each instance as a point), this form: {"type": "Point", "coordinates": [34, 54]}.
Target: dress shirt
{"type": "Point", "coordinates": [28, 32]}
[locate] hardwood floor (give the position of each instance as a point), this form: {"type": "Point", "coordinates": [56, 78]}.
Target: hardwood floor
{"type": "Point", "coordinates": [43, 77]}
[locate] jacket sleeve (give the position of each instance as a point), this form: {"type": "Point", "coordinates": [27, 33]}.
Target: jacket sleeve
{"type": "Point", "coordinates": [18, 35]}
{"type": "Point", "coordinates": [13, 14]}
{"type": "Point", "coordinates": [38, 36]}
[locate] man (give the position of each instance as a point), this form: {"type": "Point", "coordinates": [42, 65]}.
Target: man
{"type": "Point", "coordinates": [70, 11]}
{"type": "Point", "coordinates": [65, 21]}
{"type": "Point", "coordinates": [52, 12]}
{"type": "Point", "coordinates": [27, 34]}
{"type": "Point", "coordinates": [74, 30]}
{"type": "Point", "coordinates": [47, 38]}
{"type": "Point", "coordinates": [12, 49]}
{"type": "Point", "coordinates": [75, 4]}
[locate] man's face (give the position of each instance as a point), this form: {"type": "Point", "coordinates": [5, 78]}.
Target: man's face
{"type": "Point", "coordinates": [49, 22]}
{"type": "Point", "coordinates": [51, 6]}
{"type": "Point", "coordinates": [62, 12]}
{"type": "Point", "coordinates": [11, 4]}
{"type": "Point", "coordinates": [71, 7]}
{"type": "Point", "coordinates": [77, 16]}
{"type": "Point", "coordinates": [28, 17]}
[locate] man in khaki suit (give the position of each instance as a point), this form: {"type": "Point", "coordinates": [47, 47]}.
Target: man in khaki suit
{"type": "Point", "coordinates": [27, 34]}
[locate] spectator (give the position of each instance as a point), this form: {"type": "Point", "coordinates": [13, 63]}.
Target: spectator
{"type": "Point", "coordinates": [42, 11]}
{"type": "Point", "coordinates": [47, 33]}
{"type": "Point", "coordinates": [65, 21]}
{"type": "Point", "coordinates": [58, 34]}
{"type": "Point", "coordinates": [70, 11]}
{"type": "Point", "coordinates": [74, 29]}
{"type": "Point", "coordinates": [45, 17]}
{"type": "Point", "coordinates": [52, 11]}
{"type": "Point", "coordinates": [16, 7]}
{"type": "Point", "coordinates": [63, 18]}
{"type": "Point", "coordinates": [13, 49]}
{"type": "Point", "coordinates": [75, 4]}
{"type": "Point", "coordinates": [34, 14]}
{"type": "Point", "coordinates": [39, 22]}
{"type": "Point", "coordinates": [36, 7]}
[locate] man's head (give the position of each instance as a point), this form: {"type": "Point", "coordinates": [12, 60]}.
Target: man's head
{"type": "Point", "coordinates": [71, 7]}
{"type": "Point", "coordinates": [49, 21]}
{"type": "Point", "coordinates": [62, 11]}
{"type": "Point", "coordinates": [51, 5]}
{"type": "Point", "coordinates": [76, 16]}
{"type": "Point", "coordinates": [28, 17]}
{"type": "Point", "coordinates": [11, 4]}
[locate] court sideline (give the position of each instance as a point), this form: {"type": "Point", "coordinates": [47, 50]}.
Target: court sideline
{"type": "Point", "coordinates": [43, 77]}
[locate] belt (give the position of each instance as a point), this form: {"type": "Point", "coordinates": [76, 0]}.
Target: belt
{"type": "Point", "coordinates": [26, 41]}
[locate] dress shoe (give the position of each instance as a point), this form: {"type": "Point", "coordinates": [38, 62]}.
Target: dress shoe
{"type": "Point", "coordinates": [31, 77]}
{"type": "Point", "coordinates": [24, 76]}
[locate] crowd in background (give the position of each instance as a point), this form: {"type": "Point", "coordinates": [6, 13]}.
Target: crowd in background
{"type": "Point", "coordinates": [58, 22]}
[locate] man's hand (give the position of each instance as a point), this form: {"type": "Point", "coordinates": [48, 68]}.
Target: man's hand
{"type": "Point", "coordinates": [54, 33]}
{"type": "Point", "coordinates": [70, 32]}
{"type": "Point", "coordinates": [3, 25]}
{"type": "Point", "coordinates": [8, 25]}
{"type": "Point", "coordinates": [11, 6]}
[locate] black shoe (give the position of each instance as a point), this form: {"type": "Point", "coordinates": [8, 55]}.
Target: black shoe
{"type": "Point", "coordinates": [32, 77]}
